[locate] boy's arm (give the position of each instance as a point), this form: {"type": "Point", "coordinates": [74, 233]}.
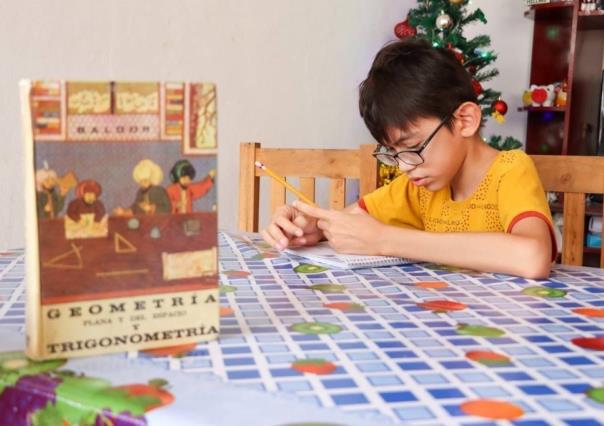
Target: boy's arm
{"type": "Point", "coordinates": [525, 251]}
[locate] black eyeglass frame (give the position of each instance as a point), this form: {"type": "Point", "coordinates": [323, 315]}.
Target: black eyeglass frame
{"type": "Point", "coordinates": [393, 159]}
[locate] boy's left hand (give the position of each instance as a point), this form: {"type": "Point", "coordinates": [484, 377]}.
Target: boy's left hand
{"type": "Point", "coordinates": [353, 232]}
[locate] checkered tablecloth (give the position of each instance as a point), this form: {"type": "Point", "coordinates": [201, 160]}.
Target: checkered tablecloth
{"type": "Point", "coordinates": [420, 343]}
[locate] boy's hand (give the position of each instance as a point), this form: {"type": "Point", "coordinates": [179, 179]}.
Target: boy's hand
{"type": "Point", "coordinates": [354, 232]}
{"type": "Point", "coordinates": [290, 228]}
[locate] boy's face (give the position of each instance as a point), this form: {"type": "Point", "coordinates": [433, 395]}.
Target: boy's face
{"type": "Point", "coordinates": [443, 155]}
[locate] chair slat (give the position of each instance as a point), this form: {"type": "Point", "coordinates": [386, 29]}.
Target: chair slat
{"type": "Point", "coordinates": [369, 170]}
{"type": "Point", "coordinates": [574, 227]}
{"type": "Point", "coordinates": [249, 187]}
{"type": "Point", "coordinates": [277, 195]}
{"type": "Point", "coordinates": [571, 173]}
{"type": "Point", "coordinates": [307, 187]}
{"type": "Point", "coordinates": [326, 163]}
{"type": "Point", "coordinates": [337, 194]}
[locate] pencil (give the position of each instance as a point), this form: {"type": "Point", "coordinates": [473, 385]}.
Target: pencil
{"type": "Point", "coordinates": [284, 183]}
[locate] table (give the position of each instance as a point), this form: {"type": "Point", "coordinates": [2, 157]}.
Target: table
{"type": "Point", "coordinates": [419, 344]}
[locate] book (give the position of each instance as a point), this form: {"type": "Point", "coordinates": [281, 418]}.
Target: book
{"type": "Point", "coordinates": [322, 253]}
{"type": "Point", "coordinates": [121, 222]}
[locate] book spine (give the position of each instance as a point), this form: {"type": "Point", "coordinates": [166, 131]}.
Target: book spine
{"type": "Point", "coordinates": [34, 338]}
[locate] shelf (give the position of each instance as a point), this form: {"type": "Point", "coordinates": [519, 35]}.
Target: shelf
{"type": "Point", "coordinates": [555, 9]}
{"type": "Point", "coordinates": [591, 20]}
{"type": "Point", "coordinates": [542, 109]}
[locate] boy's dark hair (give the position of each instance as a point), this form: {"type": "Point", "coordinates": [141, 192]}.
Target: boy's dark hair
{"type": "Point", "coordinates": [182, 168]}
{"type": "Point", "coordinates": [411, 79]}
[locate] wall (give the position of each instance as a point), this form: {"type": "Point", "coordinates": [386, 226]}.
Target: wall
{"type": "Point", "coordinates": [287, 70]}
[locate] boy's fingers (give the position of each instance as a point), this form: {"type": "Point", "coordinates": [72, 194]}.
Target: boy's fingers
{"type": "Point", "coordinates": [323, 225]}
{"type": "Point", "coordinates": [286, 225]}
{"type": "Point", "coordinates": [268, 238]}
{"type": "Point", "coordinates": [317, 212]}
{"type": "Point", "coordinates": [279, 238]}
{"type": "Point", "coordinates": [301, 221]}
{"type": "Point", "coordinates": [297, 242]}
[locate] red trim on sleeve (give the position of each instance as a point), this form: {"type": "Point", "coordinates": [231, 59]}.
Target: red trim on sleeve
{"type": "Point", "coordinates": [541, 216]}
{"type": "Point", "coordinates": [362, 204]}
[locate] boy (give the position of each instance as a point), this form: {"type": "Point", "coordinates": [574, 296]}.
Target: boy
{"type": "Point", "coordinates": [458, 202]}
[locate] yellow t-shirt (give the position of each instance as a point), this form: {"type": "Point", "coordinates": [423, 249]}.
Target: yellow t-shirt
{"type": "Point", "coordinates": [510, 191]}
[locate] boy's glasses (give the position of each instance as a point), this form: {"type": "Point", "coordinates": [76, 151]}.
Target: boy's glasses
{"type": "Point", "coordinates": [411, 157]}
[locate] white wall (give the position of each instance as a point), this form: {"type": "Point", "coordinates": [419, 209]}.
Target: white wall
{"type": "Point", "coordinates": [287, 70]}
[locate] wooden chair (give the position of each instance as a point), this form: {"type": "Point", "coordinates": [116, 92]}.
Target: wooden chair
{"type": "Point", "coordinates": [574, 176]}
{"type": "Point", "coordinates": [305, 164]}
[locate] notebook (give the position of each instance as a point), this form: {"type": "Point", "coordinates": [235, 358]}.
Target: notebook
{"type": "Point", "coordinates": [322, 253]}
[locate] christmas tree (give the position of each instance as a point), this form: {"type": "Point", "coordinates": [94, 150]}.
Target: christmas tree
{"type": "Point", "coordinates": [442, 22]}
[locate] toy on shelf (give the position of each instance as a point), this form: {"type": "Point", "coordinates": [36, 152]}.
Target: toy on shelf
{"type": "Point", "coordinates": [561, 95]}
{"type": "Point", "coordinates": [543, 96]}
{"type": "Point", "coordinates": [590, 5]}
{"type": "Point", "coordinates": [546, 95]}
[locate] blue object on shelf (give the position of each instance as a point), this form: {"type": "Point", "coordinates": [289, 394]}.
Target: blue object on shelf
{"type": "Point", "coordinates": [593, 240]}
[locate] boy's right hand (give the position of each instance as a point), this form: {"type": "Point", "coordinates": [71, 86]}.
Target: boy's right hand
{"type": "Point", "coordinates": [290, 228]}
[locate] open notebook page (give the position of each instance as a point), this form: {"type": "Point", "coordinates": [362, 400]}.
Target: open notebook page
{"type": "Point", "coordinates": [324, 254]}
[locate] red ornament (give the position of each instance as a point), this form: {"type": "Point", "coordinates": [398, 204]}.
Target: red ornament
{"type": "Point", "coordinates": [403, 30]}
{"type": "Point", "coordinates": [472, 69]}
{"type": "Point", "coordinates": [458, 53]}
{"type": "Point", "coordinates": [499, 106]}
{"type": "Point", "coordinates": [477, 87]}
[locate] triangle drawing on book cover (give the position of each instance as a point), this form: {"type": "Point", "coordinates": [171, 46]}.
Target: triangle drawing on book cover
{"type": "Point", "coordinates": [54, 262]}
{"type": "Point", "coordinates": [122, 245]}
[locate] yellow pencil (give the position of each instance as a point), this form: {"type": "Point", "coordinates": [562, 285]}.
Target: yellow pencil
{"type": "Point", "coordinates": [284, 183]}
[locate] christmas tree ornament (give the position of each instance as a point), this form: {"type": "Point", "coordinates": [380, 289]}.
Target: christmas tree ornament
{"type": "Point", "coordinates": [403, 30]}
{"type": "Point", "coordinates": [499, 108]}
{"type": "Point", "coordinates": [443, 21]}
{"type": "Point", "coordinates": [456, 2]}
{"type": "Point", "coordinates": [477, 87]}
{"type": "Point", "coordinates": [458, 54]}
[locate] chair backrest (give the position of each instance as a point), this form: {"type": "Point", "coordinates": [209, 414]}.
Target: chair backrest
{"type": "Point", "coordinates": [307, 165]}
{"type": "Point", "coordinates": [574, 176]}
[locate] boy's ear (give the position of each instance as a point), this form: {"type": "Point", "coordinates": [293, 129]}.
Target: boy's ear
{"type": "Point", "coordinates": [468, 117]}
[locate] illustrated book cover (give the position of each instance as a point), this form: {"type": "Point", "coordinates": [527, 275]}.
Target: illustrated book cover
{"type": "Point", "coordinates": [121, 217]}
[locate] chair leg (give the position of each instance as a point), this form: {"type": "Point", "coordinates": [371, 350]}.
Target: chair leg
{"type": "Point", "coordinates": [249, 187]}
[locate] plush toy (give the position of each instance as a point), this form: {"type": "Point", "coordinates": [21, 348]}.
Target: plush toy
{"type": "Point", "coordinates": [543, 95]}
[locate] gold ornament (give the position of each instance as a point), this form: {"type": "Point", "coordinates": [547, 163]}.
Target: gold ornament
{"type": "Point", "coordinates": [387, 174]}
{"type": "Point", "coordinates": [443, 21]}
{"type": "Point", "coordinates": [456, 2]}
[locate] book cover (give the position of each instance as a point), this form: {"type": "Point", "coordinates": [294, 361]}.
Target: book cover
{"type": "Point", "coordinates": [121, 219]}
